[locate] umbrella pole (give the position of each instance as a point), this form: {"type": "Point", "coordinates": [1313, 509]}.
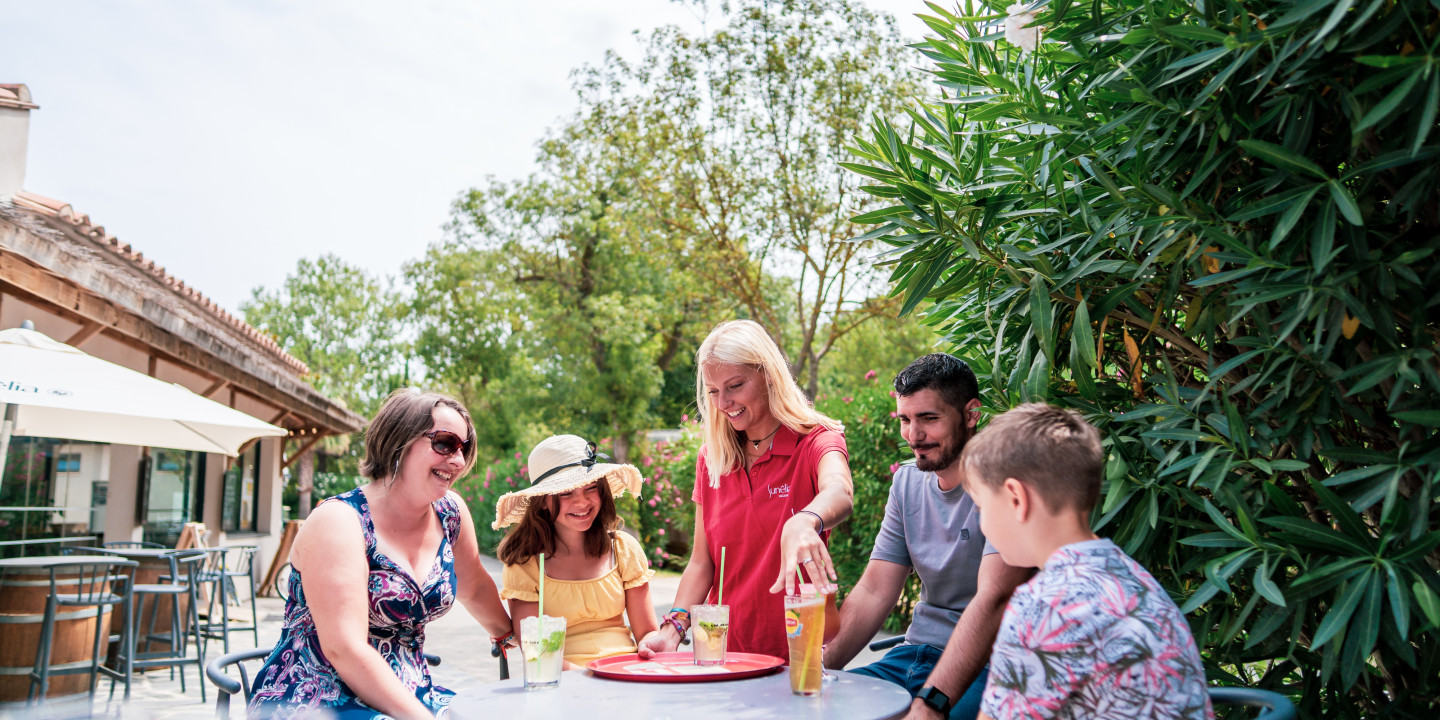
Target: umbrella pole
{"type": "Point", "coordinates": [6, 427]}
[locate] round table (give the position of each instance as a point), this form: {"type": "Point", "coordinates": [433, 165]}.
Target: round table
{"type": "Point", "coordinates": [582, 694]}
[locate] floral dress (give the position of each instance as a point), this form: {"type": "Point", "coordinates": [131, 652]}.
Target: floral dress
{"type": "Point", "coordinates": [297, 679]}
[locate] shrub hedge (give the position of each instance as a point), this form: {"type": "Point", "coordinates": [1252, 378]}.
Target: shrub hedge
{"type": "Point", "coordinates": [1211, 228]}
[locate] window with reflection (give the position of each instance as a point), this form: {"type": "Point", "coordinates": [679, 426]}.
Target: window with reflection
{"type": "Point", "coordinates": [240, 511]}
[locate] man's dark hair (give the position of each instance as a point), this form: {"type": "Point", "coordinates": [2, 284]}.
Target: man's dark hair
{"type": "Point", "coordinates": [944, 373]}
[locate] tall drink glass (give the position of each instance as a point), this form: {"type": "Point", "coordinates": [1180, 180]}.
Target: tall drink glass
{"type": "Point", "coordinates": [805, 630]}
{"type": "Point", "coordinates": [544, 653]}
{"type": "Point", "coordinates": [709, 627]}
{"type": "Point", "coordinates": [832, 623]}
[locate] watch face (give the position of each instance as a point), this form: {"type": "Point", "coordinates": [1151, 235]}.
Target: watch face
{"type": "Point", "coordinates": [935, 699]}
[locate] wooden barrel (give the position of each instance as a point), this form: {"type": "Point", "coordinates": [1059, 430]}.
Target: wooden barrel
{"type": "Point", "coordinates": [23, 593]}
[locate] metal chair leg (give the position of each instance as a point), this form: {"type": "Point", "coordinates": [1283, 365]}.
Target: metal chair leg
{"type": "Point", "coordinates": [42, 655]}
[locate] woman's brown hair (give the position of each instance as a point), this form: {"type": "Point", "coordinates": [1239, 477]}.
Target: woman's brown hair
{"type": "Point", "coordinates": [406, 414]}
{"type": "Point", "coordinates": [535, 533]}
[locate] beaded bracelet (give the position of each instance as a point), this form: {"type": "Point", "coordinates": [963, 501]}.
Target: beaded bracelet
{"type": "Point", "coordinates": [674, 622]}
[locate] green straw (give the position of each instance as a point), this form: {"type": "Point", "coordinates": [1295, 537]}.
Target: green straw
{"type": "Point", "coordinates": [540, 621]}
{"type": "Point", "coordinates": [720, 600]}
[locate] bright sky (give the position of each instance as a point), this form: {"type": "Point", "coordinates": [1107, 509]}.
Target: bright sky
{"type": "Point", "coordinates": [226, 140]}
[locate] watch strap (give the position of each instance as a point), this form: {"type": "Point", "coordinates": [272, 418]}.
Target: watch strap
{"type": "Point", "coordinates": [936, 699]}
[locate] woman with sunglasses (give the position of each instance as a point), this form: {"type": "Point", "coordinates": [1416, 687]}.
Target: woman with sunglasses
{"type": "Point", "coordinates": [372, 566]}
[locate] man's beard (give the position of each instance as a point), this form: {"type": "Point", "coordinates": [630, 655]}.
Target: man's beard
{"type": "Point", "coordinates": [949, 452]}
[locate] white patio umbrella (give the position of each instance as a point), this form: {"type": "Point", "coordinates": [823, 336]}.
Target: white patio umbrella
{"type": "Point", "coordinates": [50, 389]}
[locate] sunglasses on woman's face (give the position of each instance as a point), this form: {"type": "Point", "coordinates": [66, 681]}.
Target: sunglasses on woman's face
{"type": "Point", "coordinates": [446, 443]}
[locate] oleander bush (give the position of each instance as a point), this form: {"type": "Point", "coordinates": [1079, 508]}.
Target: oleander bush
{"type": "Point", "coordinates": [1211, 228]}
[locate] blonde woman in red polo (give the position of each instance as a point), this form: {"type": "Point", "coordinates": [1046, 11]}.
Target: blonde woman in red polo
{"type": "Point", "coordinates": [772, 478]}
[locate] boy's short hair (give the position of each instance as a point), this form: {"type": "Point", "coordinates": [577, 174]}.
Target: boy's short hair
{"type": "Point", "coordinates": [944, 373]}
{"type": "Point", "coordinates": [1052, 450]}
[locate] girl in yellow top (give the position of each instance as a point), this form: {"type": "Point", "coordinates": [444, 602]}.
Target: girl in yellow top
{"type": "Point", "coordinates": [594, 574]}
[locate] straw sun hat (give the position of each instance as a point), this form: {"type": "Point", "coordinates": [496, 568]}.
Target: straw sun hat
{"type": "Point", "coordinates": [559, 464]}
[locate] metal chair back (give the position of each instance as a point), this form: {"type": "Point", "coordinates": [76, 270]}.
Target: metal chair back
{"type": "Point", "coordinates": [1274, 705]}
{"type": "Point", "coordinates": [225, 686]}
{"type": "Point", "coordinates": [97, 584]}
{"type": "Point", "coordinates": [133, 545]}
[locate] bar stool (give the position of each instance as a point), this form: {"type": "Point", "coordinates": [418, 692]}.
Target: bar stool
{"type": "Point", "coordinates": [183, 580]}
{"type": "Point", "coordinates": [94, 586]}
{"type": "Point", "coordinates": [227, 564]}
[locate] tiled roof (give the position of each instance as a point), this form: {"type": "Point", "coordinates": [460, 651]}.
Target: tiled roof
{"type": "Point", "coordinates": [81, 223]}
{"type": "Point", "coordinates": [15, 95]}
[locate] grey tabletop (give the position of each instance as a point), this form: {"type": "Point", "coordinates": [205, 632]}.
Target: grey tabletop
{"type": "Point", "coordinates": [44, 561]}
{"type": "Point", "coordinates": [582, 694]}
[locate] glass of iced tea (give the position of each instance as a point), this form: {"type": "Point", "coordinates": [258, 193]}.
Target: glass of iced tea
{"type": "Point", "coordinates": [805, 630]}
{"type": "Point", "coordinates": [709, 626]}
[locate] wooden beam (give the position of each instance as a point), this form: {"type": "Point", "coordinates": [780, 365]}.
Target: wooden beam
{"type": "Point", "coordinates": [301, 452]}
{"type": "Point", "coordinates": [154, 365]}
{"type": "Point", "coordinates": [217, 387]}
{"type": "Point", "coordinates": [88, 330]}
{"type": "Point", "coordinates": [281, 417]}
{"type": "Point", "coordinates": [63, 297]}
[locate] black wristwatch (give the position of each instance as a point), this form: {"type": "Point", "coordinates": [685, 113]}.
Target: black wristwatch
{"type": "Point", "coordinates": [934, 698]}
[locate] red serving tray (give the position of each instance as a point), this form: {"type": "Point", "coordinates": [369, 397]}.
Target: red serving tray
{"type": "Point", "coordinates": [665, 667]}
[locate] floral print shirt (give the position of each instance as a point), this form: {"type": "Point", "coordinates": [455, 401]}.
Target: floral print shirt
{"type": "Point", "coordinates": [1093, 635]}
{"type": "Point", "coordinates": [297, 679]}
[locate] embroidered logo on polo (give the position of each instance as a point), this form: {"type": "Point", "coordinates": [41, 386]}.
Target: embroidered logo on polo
{"type": "Point", "coordinates": [781, 492]}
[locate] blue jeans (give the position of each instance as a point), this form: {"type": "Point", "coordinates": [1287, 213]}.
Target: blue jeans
{"type": "Point", "coordinates": [909, 667]}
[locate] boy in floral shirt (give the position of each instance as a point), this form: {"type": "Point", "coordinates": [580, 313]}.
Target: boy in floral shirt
{"type": "Point", "coordinates": [1092, 635]}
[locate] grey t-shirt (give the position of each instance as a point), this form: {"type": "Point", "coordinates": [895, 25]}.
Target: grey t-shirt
{"type": "Point", "coordinates": [936, 533]}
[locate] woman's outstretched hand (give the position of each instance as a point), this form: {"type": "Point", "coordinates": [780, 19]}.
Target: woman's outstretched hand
{"type": "Point", "coordinates": [659, 641]}
{"type": "Point", "coordinates": [801, 547]}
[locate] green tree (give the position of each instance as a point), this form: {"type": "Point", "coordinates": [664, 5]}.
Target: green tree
{"type": "Point", "coordinates": [592, 300]}
{"type": "Point", "coordinates": [343, 323]}
{"type": "Point", "coordinates": [740, 131]}
{"type": "Point", "coordinates": [1212, 229]}
{"type": "Point", "coordinates": [346, 326]}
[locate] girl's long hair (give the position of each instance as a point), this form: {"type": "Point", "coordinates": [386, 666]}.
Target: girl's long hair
{"type": "Point", "coordinates": [745, 342]}
{"type": "Point", "coordinates": [535, 533]}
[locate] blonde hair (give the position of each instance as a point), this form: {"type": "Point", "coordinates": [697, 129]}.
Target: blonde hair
{"type": "Point", "coordinates": [745, 342]}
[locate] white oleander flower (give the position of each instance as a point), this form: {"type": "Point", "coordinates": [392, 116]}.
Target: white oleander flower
{"type": "Point", "coordinates": [1025, 38]}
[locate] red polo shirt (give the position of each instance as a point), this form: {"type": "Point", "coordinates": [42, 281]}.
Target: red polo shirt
{"type": "Point", "coordinates": [745, 515]}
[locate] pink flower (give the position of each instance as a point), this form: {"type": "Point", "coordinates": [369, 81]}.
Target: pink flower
{"type": "Point", "coordinates": [489, 473]}
{"type": "Point", "coordinates": [648, 462]}
{"type": "Point", "coordinates": [894, 394]}
{"type": "Point", "coordinates": [870, 375]}
{"type": "Point", "coordinates": [849, 400]}
{"type": "Point", "coordinates": [894, 414]}
{"type": "Point", "coordinates": [894, 468]}
{"type": "Point", "coordinates": [685, 418]}
{"type": "Point", "coordinates": [662, 531]}
{"type": "Point", "coordinates": [486, 484]}
{"type": "Point", "coordinates": [517, 456]}
{"type": "Point", "coordinates": [653, 501]}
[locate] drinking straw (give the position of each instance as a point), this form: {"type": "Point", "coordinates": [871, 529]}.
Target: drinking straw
{"type": "Point", "coordinates": [720, 599]}
{"type": "Point", "coordinates": [540, 621]}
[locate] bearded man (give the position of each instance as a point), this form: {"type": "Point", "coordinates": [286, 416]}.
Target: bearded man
{"type": "Point", "coordinates": [932, 527]}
